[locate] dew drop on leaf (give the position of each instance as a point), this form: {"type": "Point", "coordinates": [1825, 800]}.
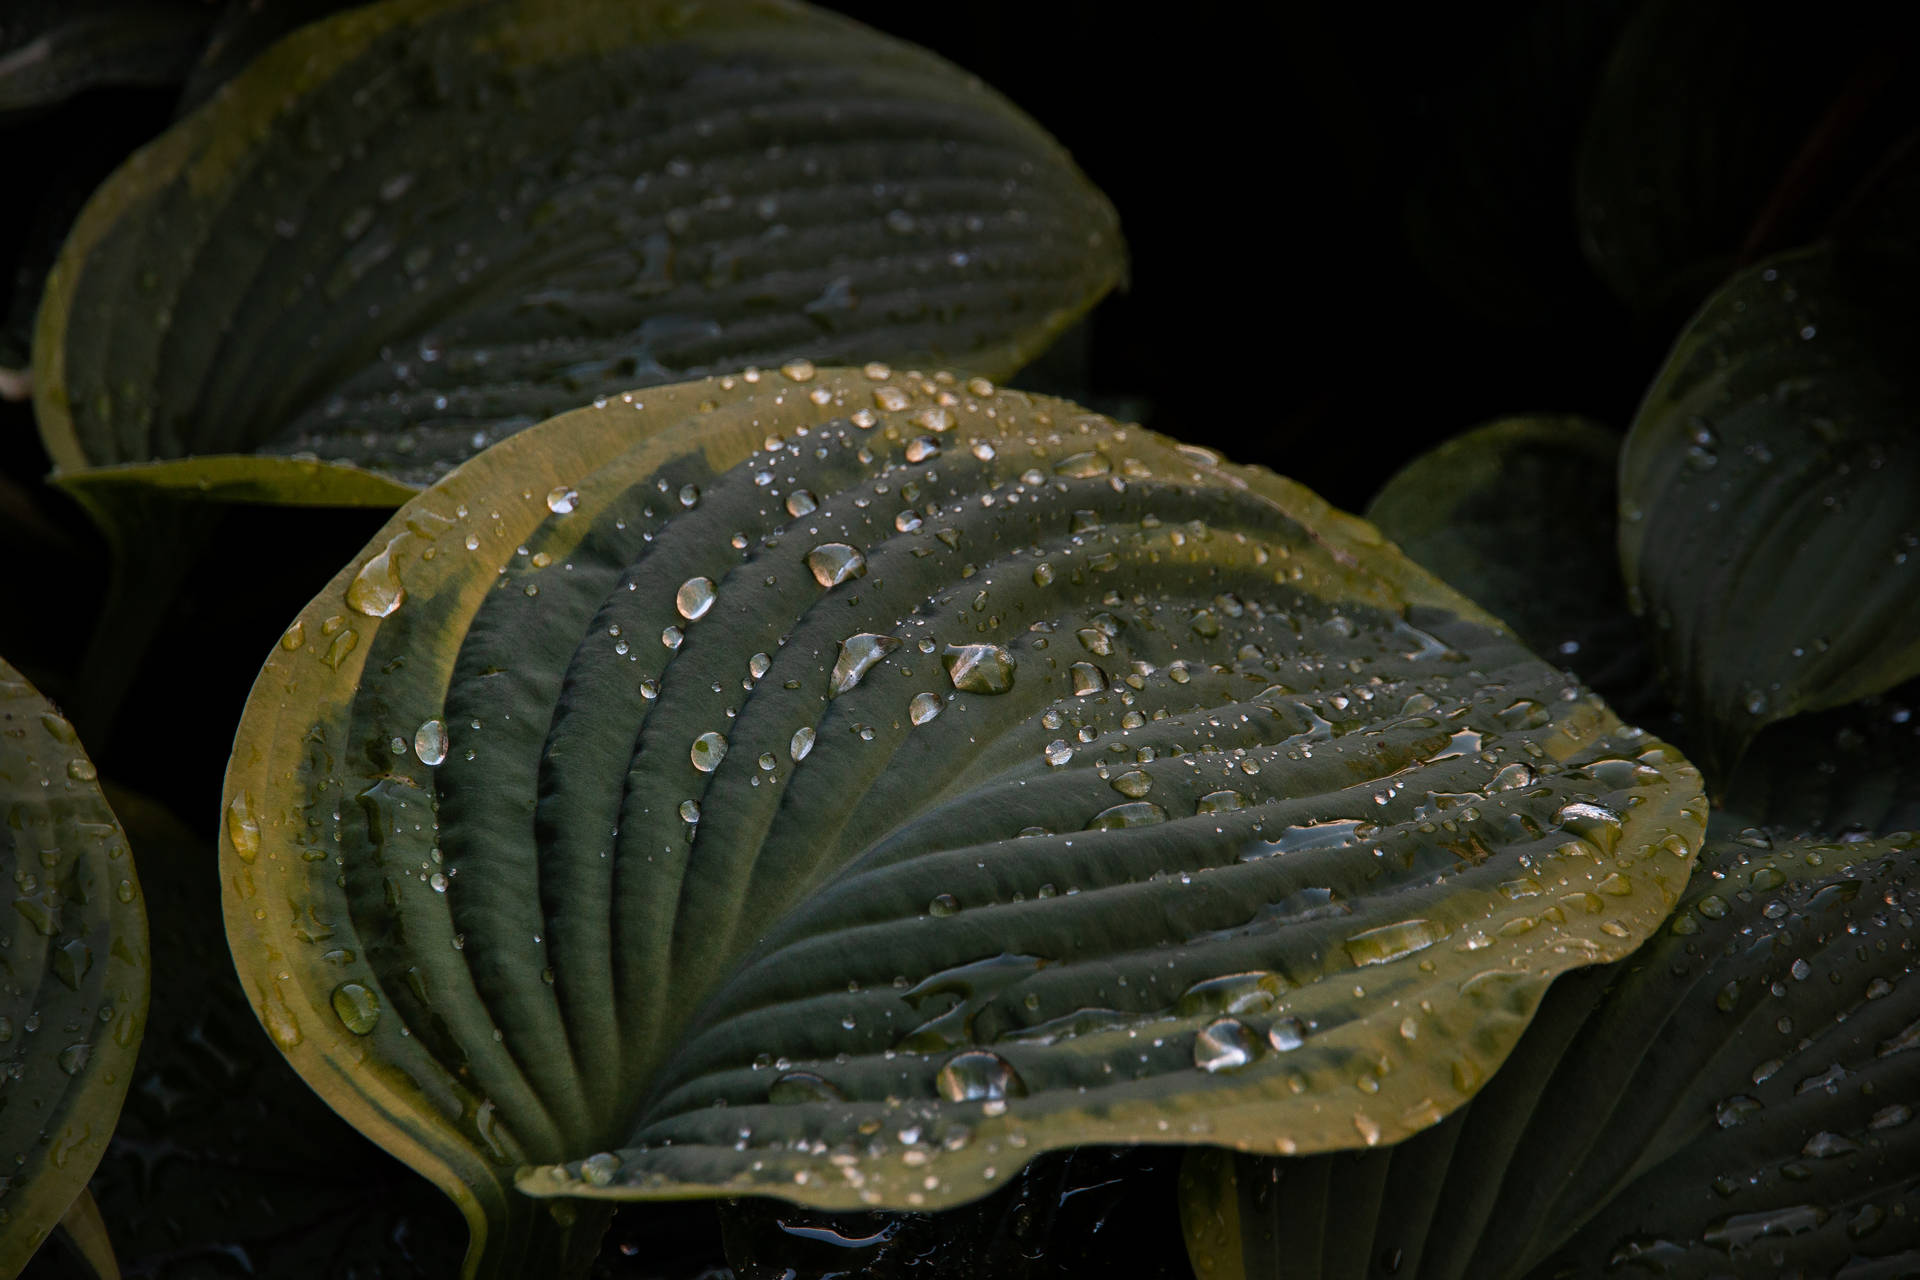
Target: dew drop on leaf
{"type": "Point", "coordinates": [978, 1075]}
{"type": "Point", "coordinates": [357, 1007]}
{"type": "Point", "coordinates": [430, 742]}
{"type": "Point", "coordinates": [833, 563]}
{"type": "Point", "coordinates": [709, 749]}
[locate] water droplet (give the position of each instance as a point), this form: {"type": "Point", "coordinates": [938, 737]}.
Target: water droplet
{"type": "Point", "coordinates": [858, 654]}
{"type": "Point", "coordinates": [1393, 941]}
{"type": "Point", "coordinates": [561, 499]}
{"type": "Point", "coordinates": [690, 811]}
{"type": "Point", "coordinates": [1220, 802]}
{"type": "Point", "coordinates": [709, 749]}
{"type": "Point", "coordinates": [1223, 1045]}
{"type": "Point", "coordinates": [943, 904]}
{"type": "Point", "coordinates": [694, 598]}
{"type": "Point", "coordinates": [801, 502]}
{"type": "Point", "coordinates": [597, 1170]}
{"type": "Point", "coordinates": [1287, 1034]}
{"type": "Point", "coordinates": [1237, 994]}
{"type": "Point", "coordinates": [978, 1075]}
{"type": "Point", "coordinates": [924, 707]}
{"type": "Point", "coordinates": [81, 769]}
{"type": "Point", "coordinates": [1088, 679]}
{"type": "Point", "coordinates": [1083, 466]}
{"type": "Point", "coordinates": [430, 742]}
{"type": "Point", "coordinates": [1134, 782]}
{"type": "Point", "coordinates": [376, 590]}
{"type": "Point", "coordinates": [1058, 752]}
{"type": "Point", "coordinates": [73, 1058]}
{"type": "Point", "coordinates": [243, 829]}
{"type": "Point", "coordinates": [798, 370]}
{"type": "Point", "coordinates": [1594, 823]}
{"type": "Point", "coordinates": [357, 1007]}
{"type": "Point", "coordinates": [833, 563]}
{"type": "Point", "coordinates": [801, 744]}
{"type": "Point", "coordinates": [802, 1087]}
{"type": "Point", "coordinates": [979, 668]}
{"type": "Point", "coordinates": [1135, 813]}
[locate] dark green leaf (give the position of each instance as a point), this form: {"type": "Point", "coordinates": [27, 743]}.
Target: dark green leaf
{"type": "Point", "coordinates": [1845, 772]}
{"type": "Point", "coordinates": [1770, 495]}
{"type": "Point", "coordinates": [1734, 1099]}
{"type": "Point", "coordinates": [73, 969]}
{"type": "Point", "coordinates": [1520, 514]}
{"type": "Point", "coordinates": [416, 227]}
{"type": "Point", "coordinates": [934, 775]}
{"type": "Point", "coordinates": [1699, 134]}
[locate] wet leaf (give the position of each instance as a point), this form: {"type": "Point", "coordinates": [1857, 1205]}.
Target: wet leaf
{"type": "Point", "coordinates": [415, 227]}
{"type": "Point", "coordinates": [73, 984]}
{"type": "Point", "coordinates": [1770, 496]}
{"type": "Point", "coordinates": [223, 1161]}
{"type": "Point", "coordinates": [932, 775]}
{"type": "Point", "coordinates": [1520, 515]}
{"type": "Point", "coordinates": [1744, 1094]}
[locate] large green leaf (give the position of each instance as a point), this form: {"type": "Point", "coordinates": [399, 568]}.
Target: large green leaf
{"type": "Point", "coordinates": [1852, 770]}
{"type": "Point", "coordinates": [1770, 495]}
{"type": "Point", "coordinates": [73, 969]}
{"type": "Point", "coordinates": [412, 228]}
{"type": "Point", "coordinates": [845, 786]}
{"type": "Point", "coordinates": [1734, 1099]}
{"type": "Point", "coordinates": [1519, 514]}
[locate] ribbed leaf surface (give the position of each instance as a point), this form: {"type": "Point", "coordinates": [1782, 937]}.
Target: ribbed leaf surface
{"type": "Point", "coordinates": [1770, 494]}
{"type": "Point", "coordinates": [1736, 1099]}
{"type": "Point", "coordinates": [845, 786]}
{"type": "Point", "coordinates": [415, 227]}
{"type": "Point", "coordinates": [73, 969]}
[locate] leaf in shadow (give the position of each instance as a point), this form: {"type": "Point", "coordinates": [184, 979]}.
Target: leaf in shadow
{"type": "Point", "coordinates": [415, 227]}
{"type": "Point", "coordinates": [52, 50]}
{"type": "Point", "coordinates": [224, 1162]}
{"type": "Point", "coordinates": [1735, 1098]}
{"type": "Point", "coordinates": [1519, 514]}
{"type": "Point", "coordinates": [934, 775]}
{"type": "Point", "coordinates": [1770, 496]}
{"type": "Point", "coordinates": [73, 968]}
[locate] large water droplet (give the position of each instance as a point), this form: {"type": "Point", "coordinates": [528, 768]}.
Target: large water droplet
{"type": "Point", "coordinates": [979, 668]}
{"type": "Point", "coordinates": [357, 1007]}
{"type": "Point", "coordinates": [1134, 782]}
{"type": "Point", "coordinates": [376, 590]}
{"type": "Point", "coordinates": [709, 749]}
{"type": "Point", "coordinates": [1232, 993]}
{"type": "Point", "coordinates": [243, 829]}
{"type": "Point", "coordinates": [978, 1075]}
{"type": "Point", "coordinates": [1287, 1034]}
{"type": "Point", "coordinates": [1394, 941]}
{"type": "Point", "coordinates": [561, 499]}
{"type": "Point", "coordinates": [694, 598]}
{"type": "Point", "coordinates": [1135, 813]}
{"type": "Point", "coordinates": [73, 1058]}
{"type": "Point", "coordinates": [1594, 823]}
{"type": "Point", "coordinates": [1223, 1045]}
{"type": "Point", "coordinates": [430, 742]}
{"type": "Point", "coordinates": [924, 707]}
{"type": "Point", "coordinates": [801, 744]}
{"type": "Point", "coordinates": [858, 654]}
{"type": "Point", "coordinates": [833, 563]}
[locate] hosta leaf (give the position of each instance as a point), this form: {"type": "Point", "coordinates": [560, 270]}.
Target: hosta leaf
{"type": "Point", "coordinates": [223, 1162]}
{"type": "Point", "coordinates": [418, 226]}
{"type": "Point", "coordinates": [73, 972]}
{"type": "Point", "coordinates": [1845, 772]}
{"type": "Point", "coordinates": [933, 776]}
{"type": "Point", "coordinates": [1519, 514]}
{"type": "Point", "coordinates": [1770, 495]}
{"type": "Point", "coordinates": [1733, 1099]}
{"type": "Point", "coordinates": [1705, 135]}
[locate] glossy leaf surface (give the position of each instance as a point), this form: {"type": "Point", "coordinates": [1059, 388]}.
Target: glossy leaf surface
{"type": "Point", "coordinates": [1770, 495]}
{"type": "Point", "coordinates": [1520, 514]}
{"type": "Point", "coordinates": [935, 776]}
{"type": "Point", "coordinates": [1745, 1087]}
{"type": "Point", "coordinates": [412, 228]}
{"type": "Point", "coordinates": [73, 974]}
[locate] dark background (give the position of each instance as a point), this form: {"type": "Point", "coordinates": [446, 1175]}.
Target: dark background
{"type": "Point", "coordinates": [1354, 231]}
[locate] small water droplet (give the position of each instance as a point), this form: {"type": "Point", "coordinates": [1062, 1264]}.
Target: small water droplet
{"type": "Point", "coordinates": [561, 499]}
{"type": "Point", "coordinates": [924, 707]}
{"type": "Point", "coordinates": [801, 744]}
